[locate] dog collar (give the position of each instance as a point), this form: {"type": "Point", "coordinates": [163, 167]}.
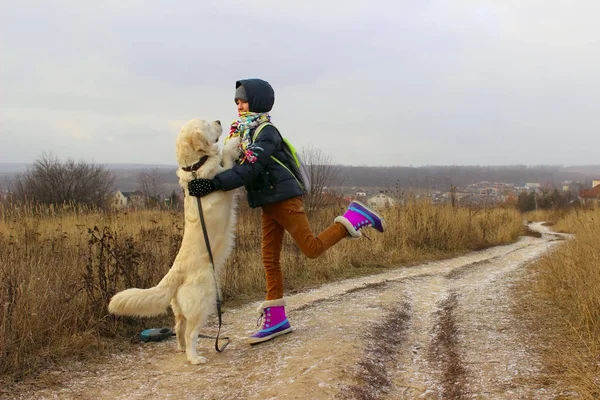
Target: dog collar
{"type": "Point", "coordinates": [196, 166]}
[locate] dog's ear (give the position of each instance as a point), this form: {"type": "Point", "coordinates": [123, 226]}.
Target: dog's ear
{"type": "Point", "coordinates": [199, 142]}
{"type": "Point", "coordinates": [218, 128]}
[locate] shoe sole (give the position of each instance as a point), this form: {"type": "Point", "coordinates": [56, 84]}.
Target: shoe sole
{"type": "Point", "coordinates": [371, 210]}
{"type": "Point", "coordinates": [267, 338]}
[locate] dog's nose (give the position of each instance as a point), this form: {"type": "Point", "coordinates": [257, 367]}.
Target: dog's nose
{"type": "Point", "coordinates": [218, 122]}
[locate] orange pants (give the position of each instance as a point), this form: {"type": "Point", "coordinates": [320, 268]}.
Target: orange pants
{"type": "Point", "coordinates": [289, 215]}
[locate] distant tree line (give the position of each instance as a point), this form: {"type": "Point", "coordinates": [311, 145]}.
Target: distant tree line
{"type": "Point", "coordinates": [429, 177]}
{"type": "Point", "coordinates": [443, 177]}
{"type": "Point", "coordinates": [546, 199]}
{"type": "Point", "coordinates": [50, 181]}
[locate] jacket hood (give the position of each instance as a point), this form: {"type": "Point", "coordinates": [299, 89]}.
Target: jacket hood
{"type": "Point", "coordinates": [260, 94]}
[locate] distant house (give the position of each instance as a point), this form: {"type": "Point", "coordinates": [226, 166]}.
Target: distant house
{"type": "Point", "coordinates": [360, 193]}
{"type": "Point", "coordinates": [533, 186]}
{"type": "Point", "coordinates": [500, 186]}
{"type": "Point", "coordinates": [135, 199]}
{"type": "Point", "coordinates": [381, 201]}
{"type": "Point", "coordinates": [590, 195]}
{"type": "Point", "coordinates": [481, 185]}
{"type": "Point", "coordinates": [566, 185]}
{"type": "Point", "coordinates": [119, 200]}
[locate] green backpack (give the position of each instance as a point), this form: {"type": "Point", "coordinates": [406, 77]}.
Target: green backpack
{"type": "Point", "coordinates": [294, 166]}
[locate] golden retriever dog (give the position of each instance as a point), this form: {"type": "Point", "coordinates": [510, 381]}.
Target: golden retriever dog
{"type": "Point", "coordinates": [189, 286]}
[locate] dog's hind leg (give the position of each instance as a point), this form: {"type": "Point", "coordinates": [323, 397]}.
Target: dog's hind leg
{"type": "Point", "coordinates": [180, 324]}
{"type": "Point", "coordinates": [191, 340]}
{"type": "Point", "coordinates": [192, 303]}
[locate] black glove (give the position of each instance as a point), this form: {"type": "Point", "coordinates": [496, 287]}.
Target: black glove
{"type": "Point", "coordinates": [201, 187]}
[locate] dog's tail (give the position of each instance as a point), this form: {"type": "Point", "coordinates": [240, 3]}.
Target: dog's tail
{"type": "Point", "coordinates": [145, 302]}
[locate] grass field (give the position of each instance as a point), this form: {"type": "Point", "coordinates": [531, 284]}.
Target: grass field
{"type": "Point", "coordinates": [60, 266]}
{"type": "Point", "coordinates": [568, 284]}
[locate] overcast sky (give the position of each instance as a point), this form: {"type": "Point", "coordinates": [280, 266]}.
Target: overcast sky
{"type": "Point", "coordinates": [422, 82]}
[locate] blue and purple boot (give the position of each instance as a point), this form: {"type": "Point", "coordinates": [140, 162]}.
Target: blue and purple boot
{"type": "Point", "coordinates": [274, 321]}
{"type": "Point", "coordinates": [358, 216]}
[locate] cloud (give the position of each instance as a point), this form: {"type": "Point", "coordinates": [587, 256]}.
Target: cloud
{"type": "Point", "coordinates": [74, 131]}
{"type": "Point", "coordinates": [377, 83]}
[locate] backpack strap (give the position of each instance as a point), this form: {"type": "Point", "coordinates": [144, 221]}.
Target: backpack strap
{"type": "Point", "coordinates": [261, 127]}
{"type": "Point", "coordinates": [283, 143]}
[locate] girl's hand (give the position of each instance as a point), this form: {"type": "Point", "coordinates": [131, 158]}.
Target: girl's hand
{"type": "Point", "coordinates": [201, 187]}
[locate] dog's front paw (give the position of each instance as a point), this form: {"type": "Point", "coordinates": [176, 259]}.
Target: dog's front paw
{"type": "Point", "coordinates": [231, 152]}
{"type": "Point", "coordinates": [198, 360]}
{"type": "Point", "coordinates": [232, 145]}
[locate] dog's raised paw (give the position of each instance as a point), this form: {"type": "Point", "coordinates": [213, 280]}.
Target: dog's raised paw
{"type": "Point", "coordinates": [198, 360]}
{"type": "Point", "coordinates": [232, 145]}
{"type": "Point", "coordinates": [231, 151]}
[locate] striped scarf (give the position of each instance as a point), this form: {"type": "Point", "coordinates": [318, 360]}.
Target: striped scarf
{"type": "Point", "coordinates": [242, 127]}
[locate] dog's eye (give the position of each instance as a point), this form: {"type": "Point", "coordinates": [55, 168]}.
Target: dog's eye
{"type": "Point", "coordinates": [217, 141]}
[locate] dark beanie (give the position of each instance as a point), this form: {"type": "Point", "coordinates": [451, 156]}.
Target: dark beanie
{"type": "Point", "coordinates": [240, 93]}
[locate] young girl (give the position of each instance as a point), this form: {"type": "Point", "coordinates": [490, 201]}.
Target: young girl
{"type": "Point", "coordinates": [278, 192]}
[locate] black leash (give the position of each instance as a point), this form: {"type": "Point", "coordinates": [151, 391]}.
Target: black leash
{"type": "Point", "coordinates": [216, 284]}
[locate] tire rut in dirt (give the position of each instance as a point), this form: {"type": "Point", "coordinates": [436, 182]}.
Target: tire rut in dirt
{"type": "Point", "coordinates": [315, 303]}
{"type": "Point", "coordinates": [372, 380]}
{"type": "Point", "coordinates": [461, 272]}
{"type": "Point", "coordinates": [444, 351]}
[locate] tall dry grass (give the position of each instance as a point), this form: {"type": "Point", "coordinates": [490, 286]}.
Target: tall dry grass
{"type": "Point", "coordinates": [60, 266]}
{"type": "Point", "coordinates": [569, 281]}
{"type": "Point", "coordinates": [416, 231]}
{"type": "Point", "coordinates": [549, 216]}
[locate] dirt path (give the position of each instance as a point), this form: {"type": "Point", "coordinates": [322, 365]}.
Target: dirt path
{"type": "Point", "coordinates": [439, 330]}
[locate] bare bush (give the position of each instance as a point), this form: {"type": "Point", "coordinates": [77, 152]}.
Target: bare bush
{"type": "Point", "coordinates": [323, 173]}
{"type": "Point", "coordinates": [152, 184]}
{"type": "Point", "coordinates": [50, 181]}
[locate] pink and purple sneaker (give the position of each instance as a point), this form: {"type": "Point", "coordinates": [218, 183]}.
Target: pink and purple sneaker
{"type": "Point", "coordinates": [358, 216]}
{"type": "Point", "coordinates": [274, 321]}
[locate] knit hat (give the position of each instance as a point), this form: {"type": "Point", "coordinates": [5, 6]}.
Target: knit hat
{"type": "Point", "coordinates": [240, 93]}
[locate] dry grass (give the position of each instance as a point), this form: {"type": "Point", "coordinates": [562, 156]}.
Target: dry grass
{"type": "Point", "coordinates": [417, 231]}
{"type": "Point", "coordinates": [568, 280]}
{"type": "Point", "coordinates": [59, 267]}
{"type": "Point", "coordinates": [549, 216]}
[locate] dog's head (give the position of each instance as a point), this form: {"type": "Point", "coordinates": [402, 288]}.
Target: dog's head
{"type": "Point", "coordinates": [197, 138]}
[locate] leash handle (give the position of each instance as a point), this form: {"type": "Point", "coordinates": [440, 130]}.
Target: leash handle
{"type": "Point", "coordinates": [212, 262]}
{"type": "Point", "coordinates": [217, 348]}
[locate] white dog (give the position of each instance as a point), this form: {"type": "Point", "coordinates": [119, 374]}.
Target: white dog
{"type": "Point", "coordinates": [189, 285]}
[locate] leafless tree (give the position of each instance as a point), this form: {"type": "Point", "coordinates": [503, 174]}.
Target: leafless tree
{"type": "Point", "coordinates": [152, 183]}
{"type": "Point", "coordinates": [323, 173]}
{"type": "Point", "coordinates": [51, 181]}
